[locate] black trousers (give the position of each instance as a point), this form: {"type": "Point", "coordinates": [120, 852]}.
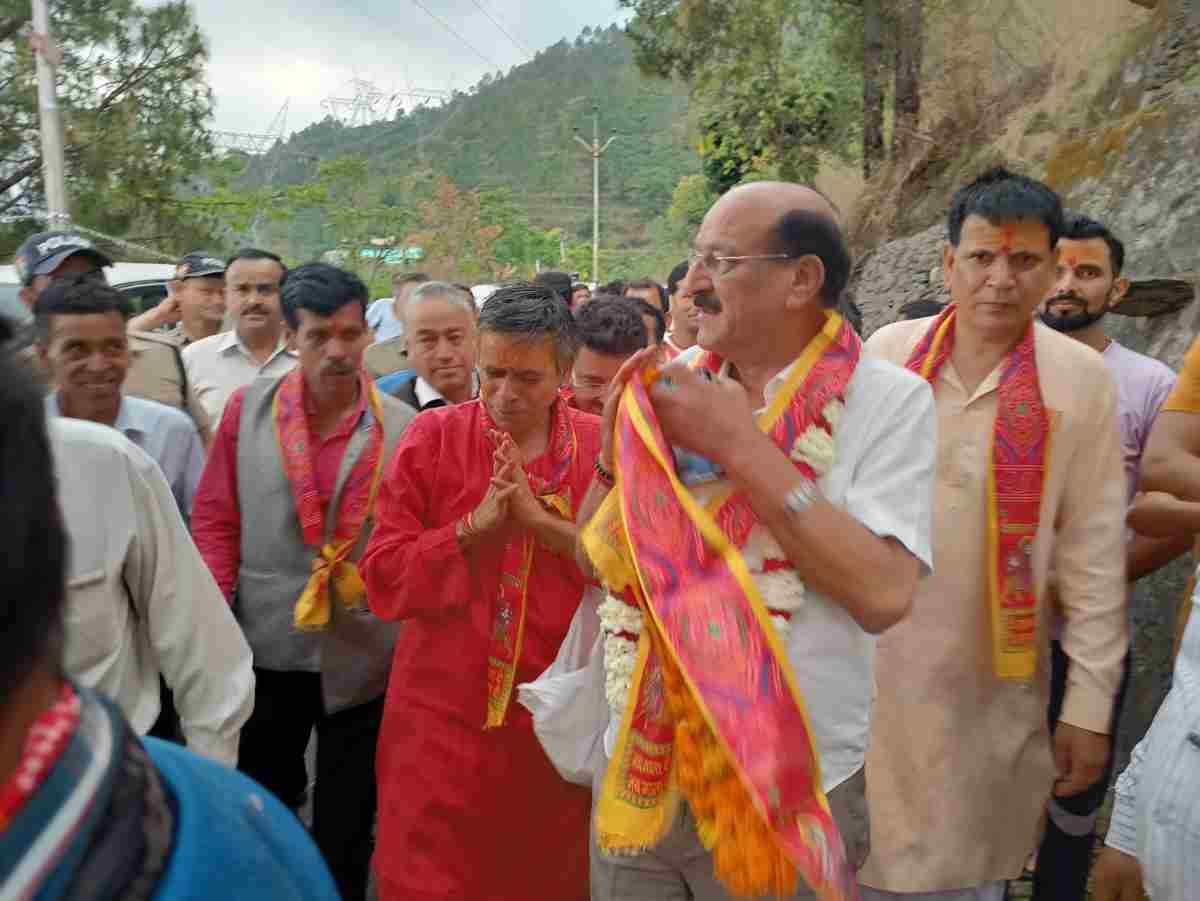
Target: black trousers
{"type": "Point", "coordinates": [167, 725]}
{"type": "Point", "coordinates": [287, 707]}
{"type": "Point", "coordinates": [1065, 856]}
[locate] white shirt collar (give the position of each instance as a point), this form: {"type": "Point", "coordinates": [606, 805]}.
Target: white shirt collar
{"type": "Point", "coordinates": [231, 340]}
{"type": "Point", "coordinates": [426, 393]}
{"type": "Point", "coordinates": [773, 387]}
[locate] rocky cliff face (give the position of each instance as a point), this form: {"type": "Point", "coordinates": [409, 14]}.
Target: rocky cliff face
{"type": "Point", "coordinates": [1135, 168]}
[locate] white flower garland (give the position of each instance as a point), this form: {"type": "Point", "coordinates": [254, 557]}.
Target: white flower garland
{"type": "Point", "coordinates": [619, 621]}
{"type": "Point", "coordinates": [782, 592]}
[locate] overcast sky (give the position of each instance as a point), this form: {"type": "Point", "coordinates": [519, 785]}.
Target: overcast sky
{"type": "Point", "coordinates": [266, 52]}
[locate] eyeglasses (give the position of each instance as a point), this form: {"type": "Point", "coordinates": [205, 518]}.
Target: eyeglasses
{"type": "Point", "coordinates": [720, 265]}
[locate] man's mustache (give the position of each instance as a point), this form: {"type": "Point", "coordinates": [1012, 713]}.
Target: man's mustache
{"type": "Point", "coordinates": [255, 308]}
{"type": "Point", "coordinates": [707, 302]}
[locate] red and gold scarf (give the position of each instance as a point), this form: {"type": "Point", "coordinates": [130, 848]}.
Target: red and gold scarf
{"type": "Point", "coordinates": [714, 712]}
{"type": "Point", "coordinates": [1016, 475]}
{"type": "Point", "coordinates": [296, 447]}
{"type": "Point", "coordinates": [508, 615]}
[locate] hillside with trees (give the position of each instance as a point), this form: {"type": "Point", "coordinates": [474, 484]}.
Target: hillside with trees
{"type": "Point", "coordinates": [883, 103]}
{"type": "Point", "coordinates": [505, 147]}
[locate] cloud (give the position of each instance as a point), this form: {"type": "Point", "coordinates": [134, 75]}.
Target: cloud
{"type": "Point", "coordinates": [263, 53]}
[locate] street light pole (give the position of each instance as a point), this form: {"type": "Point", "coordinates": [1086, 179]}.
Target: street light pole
{"type": "Point", "coordinates": [596, 151]}
{"type": "Point", "coordinates": [47, 55]}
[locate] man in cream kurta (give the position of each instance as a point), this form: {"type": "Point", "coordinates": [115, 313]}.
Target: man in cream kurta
{"type": "Point", "coordinates": [960, 763]}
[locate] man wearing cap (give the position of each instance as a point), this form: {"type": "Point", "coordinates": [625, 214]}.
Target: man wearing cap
{"type": "Point", "coordinates": [155, 369]}
{"type": "Point", "coordinates": [195, 307]}
{"type": "Point", "coordinates": [42, 258]}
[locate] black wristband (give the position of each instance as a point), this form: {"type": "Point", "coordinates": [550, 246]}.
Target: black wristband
{"type": "Point", "coordinates": [605, 477]}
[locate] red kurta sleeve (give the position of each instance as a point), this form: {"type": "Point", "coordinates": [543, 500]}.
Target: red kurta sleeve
{"type": "Point", "coordinates": [216, 514]}
{"type": "Point", "coordinates": [413, 565]}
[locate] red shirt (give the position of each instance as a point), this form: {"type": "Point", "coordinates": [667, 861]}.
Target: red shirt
{"type": "Point", "coordinates": [465, 813]}
{"type": "Point", "coordinates": [216, 513]}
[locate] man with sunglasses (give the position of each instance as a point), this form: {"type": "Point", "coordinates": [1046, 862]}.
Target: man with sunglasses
{"type": "Point", "coordinates": [219, 365]}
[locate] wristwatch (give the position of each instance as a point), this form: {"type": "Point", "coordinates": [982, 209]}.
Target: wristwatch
{"type": "Point", "coordinates": [802, 496]}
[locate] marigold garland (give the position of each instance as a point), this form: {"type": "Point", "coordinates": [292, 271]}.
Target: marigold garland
{"type": "Point", "coordinates": [746, 858]}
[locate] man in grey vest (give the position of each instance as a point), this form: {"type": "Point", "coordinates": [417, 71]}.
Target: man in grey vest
{"type": "Point", "coordinates": [282, 515]}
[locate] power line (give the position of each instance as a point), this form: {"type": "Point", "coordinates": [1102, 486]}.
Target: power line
{"type": "Point", "coordinates": [464, 41]}
{"type": "Point", "coordinates": [503, 30]}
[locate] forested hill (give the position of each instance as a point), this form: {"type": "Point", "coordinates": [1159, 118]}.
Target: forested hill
{"type": "Point", "coordinates": [516, 131]}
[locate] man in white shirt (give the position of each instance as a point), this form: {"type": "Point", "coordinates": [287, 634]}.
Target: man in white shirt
{"type": "Point", "coordinates": [219, 365]}
{"type": "Point", "coordinates": [441, 341]}
{"type": "Point", "coordinates": [823, 460]}
{"type": "Point", "coordinates": [386, 315]}
{"type": "Point", "coordinates": [1154, 836]}
{"type": "Point", "coordinates": [83, 344]}
{"type": "Point", "coordinates": [140, 600]}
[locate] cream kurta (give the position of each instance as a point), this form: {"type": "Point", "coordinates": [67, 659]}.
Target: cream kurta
{"type": "Point", "coordinates": [960, 763]}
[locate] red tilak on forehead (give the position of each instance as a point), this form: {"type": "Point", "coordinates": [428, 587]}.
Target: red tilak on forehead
{"type": "Point", "coordinates": [1006, 247]}
{"type": "Point", "coordinates": [1072, 261]}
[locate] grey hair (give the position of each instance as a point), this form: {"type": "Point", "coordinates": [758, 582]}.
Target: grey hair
{"type": "Point", "coordinates": [442, 291]}
{"type": "Point", "coordinates": [532, 312]}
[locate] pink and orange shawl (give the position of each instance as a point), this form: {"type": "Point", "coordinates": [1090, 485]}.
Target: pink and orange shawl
{"type": "Point", "coordinates": [714, 713]}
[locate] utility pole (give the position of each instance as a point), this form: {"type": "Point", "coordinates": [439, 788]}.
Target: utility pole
{"type": "Point", "coordinates": [47, 55]}
{"type": "Point", "coordinates": [596, 151]}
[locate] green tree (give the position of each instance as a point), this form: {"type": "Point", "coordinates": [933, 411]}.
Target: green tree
{"type": "Point", "coordinates": [689, 202]}
{"type": "Point", "coordinates": [772, 95]}
{"type": "Point", "coordinates": [520, 245]}
{"type": "Point", "coordinates": [456, 241]}
{"type": "Point", "coordinates": [135, 107]}
{"type": "Point", "coordinates": [360, 214]}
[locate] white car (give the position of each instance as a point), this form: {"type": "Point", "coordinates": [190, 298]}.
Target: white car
{"type": "Point", "coordinates": [145, 284]}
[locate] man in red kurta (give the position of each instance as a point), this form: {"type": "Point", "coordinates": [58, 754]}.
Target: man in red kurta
{"type": "Point", "coordinates": [473, 550]}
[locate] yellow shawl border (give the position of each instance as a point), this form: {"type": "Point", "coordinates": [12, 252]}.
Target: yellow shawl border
{"type": "Point", "coordinates": [1020, 665]}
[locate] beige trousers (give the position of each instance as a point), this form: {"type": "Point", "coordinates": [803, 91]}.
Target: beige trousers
{"type": "Point", "coordinates": [989, 891]}
{"type": "Point", "coordinates": [680, 869]}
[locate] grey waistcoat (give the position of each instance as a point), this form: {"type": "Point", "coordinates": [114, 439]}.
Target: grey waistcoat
{"type": "Point", "coordinates": [353, 652]}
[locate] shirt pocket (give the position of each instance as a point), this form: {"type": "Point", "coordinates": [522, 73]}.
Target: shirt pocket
{"type": "Point", "coordinates": [96, 618]}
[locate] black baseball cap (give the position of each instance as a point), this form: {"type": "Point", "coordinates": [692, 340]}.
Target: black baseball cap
{"type": "Point", "coordinates": [44, 252]}
{"type": "Point", "coordinates": [198, 264]}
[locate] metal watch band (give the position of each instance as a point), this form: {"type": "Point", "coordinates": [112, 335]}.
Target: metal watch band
{"type": "Point", "coordinates": [802, 496]}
